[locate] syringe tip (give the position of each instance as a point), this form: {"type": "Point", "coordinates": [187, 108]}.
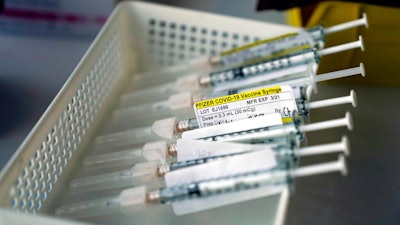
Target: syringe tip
{"type": "Point", "coordinates": [343, 166]}
{"type": "Point", "coordinates": [353, 97]}
{"type": "Point", "coordinates": [346, 145]}
{"type": "Point", "coordinates": [349, 121]}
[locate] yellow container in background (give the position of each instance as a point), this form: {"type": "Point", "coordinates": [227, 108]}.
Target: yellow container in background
{"type": "Point", "coordinates": [382, 40]}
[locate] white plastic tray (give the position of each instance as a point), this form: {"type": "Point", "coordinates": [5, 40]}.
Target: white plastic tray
{"type": "Point", "coordinates": [137, 36]}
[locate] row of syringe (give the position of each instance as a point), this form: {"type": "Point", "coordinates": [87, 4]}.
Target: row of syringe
{"type": "Point", "coordinates": [194, 168]}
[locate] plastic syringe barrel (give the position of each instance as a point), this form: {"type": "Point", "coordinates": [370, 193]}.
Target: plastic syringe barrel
{"type": "Point", "coordinates": [305, 56]}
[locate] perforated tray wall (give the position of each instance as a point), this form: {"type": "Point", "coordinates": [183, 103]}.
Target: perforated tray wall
{"type": "Point", "coordinates": [137, 36]}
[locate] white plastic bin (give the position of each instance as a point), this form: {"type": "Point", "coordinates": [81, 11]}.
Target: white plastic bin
{"type": "Point", "coordinates": [137, 36]}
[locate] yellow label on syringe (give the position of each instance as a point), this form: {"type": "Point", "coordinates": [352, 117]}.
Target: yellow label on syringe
{"type": "Point", "coordinates": [253, 44]}
{"type": "Point", "coordinates": [237, 97]}
{"type": "Point", "coordinates": [246, 105]}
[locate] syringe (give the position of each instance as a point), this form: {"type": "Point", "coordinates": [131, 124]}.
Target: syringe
{"type": "Point", "coordinates": [218, 133]}
{"type": "Point", "coordinates": [208, 113]}
{"type": "Point", "coordinates": [181, 150]}
{"type": "Point", "coordinates": [191, 83]}
{"type": "Point", "coordinates": [181, 105]}
{"type": "Point", "coordinates": [138, 200]}
{"type": "Point", "coordinates": [310, 81]}
{"type": "Point", "coordinates": [152, 173]}
{"type": "Point", "coordinates": [255, 51]}
{"type": "Point", "coordinates": [166, 129]}
{"type": "Point", "coordinates": [187, 150]}
{"type": "Point", "coordinates": [256, 73]}
{"type": "Point", "coordinates": [196, 193]}
{"type": "Point", "coordinates": [282, 153]}
{"type": "Point", "coordinates": [289, 66]}
{"type": "Point", "coordinates": [266, 48]}
{"type": "Point", "coordinates": [170, 129]}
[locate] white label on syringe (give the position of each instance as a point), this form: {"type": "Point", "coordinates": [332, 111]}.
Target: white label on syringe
{"type": "Point", "coordinates": [246, 105]}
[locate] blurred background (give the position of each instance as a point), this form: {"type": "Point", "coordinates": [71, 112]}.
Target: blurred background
{"type": "Point", "coordinates": [41, 41]}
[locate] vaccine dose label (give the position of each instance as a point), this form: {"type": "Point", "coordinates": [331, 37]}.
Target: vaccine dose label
{"type": "Point", "coordinates": [245, 105]}
{"type": "Point", "coordinates": [267, 49]}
